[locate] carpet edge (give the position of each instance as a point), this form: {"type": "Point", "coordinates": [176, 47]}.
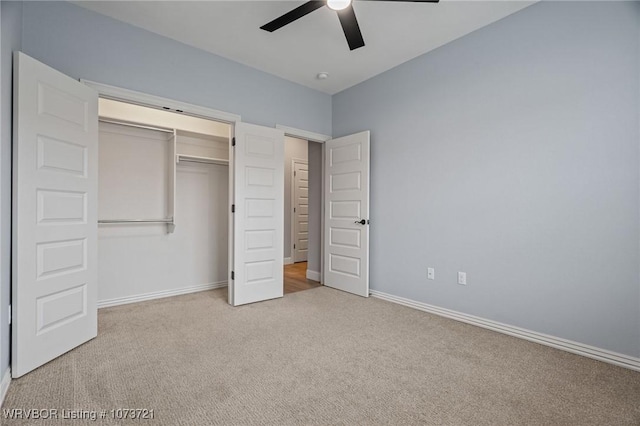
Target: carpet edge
{"type": "Point", "coordinates": [159, 294]}
{"type": "Point", "coordinates": [576, 348]}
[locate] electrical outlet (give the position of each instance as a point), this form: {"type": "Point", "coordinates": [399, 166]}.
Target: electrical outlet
{"type": "Point", "coordinates": [431, 274]}
{"type": "Point", "coordinates": [462, 278]}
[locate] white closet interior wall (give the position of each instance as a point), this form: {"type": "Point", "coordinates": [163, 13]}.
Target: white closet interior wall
{"type": "Point", "coordinates": [133, 164]}
{"type": "Point", "coordinates": [144, 261]}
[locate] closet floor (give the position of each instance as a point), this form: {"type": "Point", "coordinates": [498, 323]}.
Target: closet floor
{"type": "Point", "coordinates": [295, 278]}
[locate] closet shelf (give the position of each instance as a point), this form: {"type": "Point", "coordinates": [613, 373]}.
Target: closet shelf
{"type": "Point", "coordinates": [197, 159]}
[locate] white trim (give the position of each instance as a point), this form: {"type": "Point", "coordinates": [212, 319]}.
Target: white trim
{"type": "Point", "coordinates": [159, 294]}
{"type": "Point", "coordinates": [231, 221]}
{"type": "Point", "coordinates": [120, 94]}
{"type": "Point", "coordinates": [4, 385]}
{"type": "Point", "coordinates": [303, 134]}
{"type": "Point", "coordinates": [323, 196]}
{"type": "Point", "coordinates": [604, 355]}
{"type": "Point", "coordinates": [313, 275]}
{"type": "Point", "coordinates": [288, 261]}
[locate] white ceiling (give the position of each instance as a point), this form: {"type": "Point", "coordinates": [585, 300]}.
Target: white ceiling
{"type": "Point", "coordinates": [394, 33]}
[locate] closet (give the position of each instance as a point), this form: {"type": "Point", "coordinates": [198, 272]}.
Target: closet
{"type": "Point", "coordinates": [163, 191]}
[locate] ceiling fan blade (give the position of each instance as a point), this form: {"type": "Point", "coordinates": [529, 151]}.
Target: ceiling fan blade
{"type": "Point", "coordinates": [291, 16]}
{"type": "Point", "coordinates": [351, 28]}
{"type": "Point", "coordinates": [408, 1]}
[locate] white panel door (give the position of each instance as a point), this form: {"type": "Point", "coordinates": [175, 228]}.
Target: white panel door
{"type": "Point", "coordinates": [55, 157]}
{"type": "Point", "coordinates": [300, 211]}
{"type": "Point", "coordinates": [346, 252]}
{"type": "Point", "coordinates": [258, 220]}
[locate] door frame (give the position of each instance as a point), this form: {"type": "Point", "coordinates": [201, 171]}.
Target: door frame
{"type": "Point", "coordinates": [317, 138]}
{"type": "Point", "coordinates": [293, 203]}
{"type": "Point", "coordinates": [144, 99]}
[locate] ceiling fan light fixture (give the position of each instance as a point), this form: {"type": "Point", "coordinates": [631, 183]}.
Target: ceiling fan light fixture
{"type": "Point", "coordinates": [345, 12]}
{"type": "Point", "coordinates": [338, 4]}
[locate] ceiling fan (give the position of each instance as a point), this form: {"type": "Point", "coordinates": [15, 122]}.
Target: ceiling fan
{"type": "Point", "coordinates": [344, 8]}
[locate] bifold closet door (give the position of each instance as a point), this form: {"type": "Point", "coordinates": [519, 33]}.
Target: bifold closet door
{"type": "Point", "coordinates": [258, 218]}
{"type": "Point", "coordinates": [55, 178]}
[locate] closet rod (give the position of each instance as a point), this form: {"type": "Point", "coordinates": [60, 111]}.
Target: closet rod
{"type": "Point", "coordinates": [136, 221]}
{"type": "Point", "coordinates": [203, 160]}
{"type": "Point", "coordinates": [140, 126]}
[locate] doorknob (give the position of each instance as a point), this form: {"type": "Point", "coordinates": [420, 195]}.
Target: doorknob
{"type": "Point", "coordinates": [361, 222]}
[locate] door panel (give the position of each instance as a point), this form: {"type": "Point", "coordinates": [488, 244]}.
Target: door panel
{"type": "Point", "coordinates": [301, 211]}
{"type": "Point", "coordinates": [346, 264]}
{"type": "Point", "coordinates": [258, 221]}
{"type": "Point", "coordinates": [55, 170]}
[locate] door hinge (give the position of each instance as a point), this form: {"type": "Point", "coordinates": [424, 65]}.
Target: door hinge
{"type": "Point", "coordinates": [294, 246]}
{"type": "Point", "coordinates": [294, 209]}
{"type": "Point", "coordinates": [233, 208]}
{"type": "Point", "coordinates": [9, 315]}
{"type": "Point", "coordinates": [233, 141]}
{"type": "Point", "coordinates": [233, 275]}
{"type": "Point", "coordinates": [294, 173]}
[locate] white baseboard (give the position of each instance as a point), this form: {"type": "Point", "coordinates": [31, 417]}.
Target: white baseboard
{"type": "Point", "coordinates": [532, 336]}
{"type": "Point", "coordinates": [159, 294]}
{"type": "Point", "coordinates": [313, 275]}
{"type": "Point", "coordinates": [4, 385]}
{"type": "Point", "coordinates": [288, 261]}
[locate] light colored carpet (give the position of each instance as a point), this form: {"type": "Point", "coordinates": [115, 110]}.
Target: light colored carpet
{"type": "Point", "coordinates": [321, 357]}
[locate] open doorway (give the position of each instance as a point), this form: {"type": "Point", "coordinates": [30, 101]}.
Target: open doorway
{"type": "Point", "coordinates": [302, 214]}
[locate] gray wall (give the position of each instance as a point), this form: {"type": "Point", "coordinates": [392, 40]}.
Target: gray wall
{"type": "Point", "coordinates": [293, 148]}
{"type": "Point", "coordinates": [315, 208]}
{"type": "Point", "coordinates": [512, 154]}
{"type": "Point", "coordinates": [85, 44]}
{"type": "Point", "coordinates": [10, 40]}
